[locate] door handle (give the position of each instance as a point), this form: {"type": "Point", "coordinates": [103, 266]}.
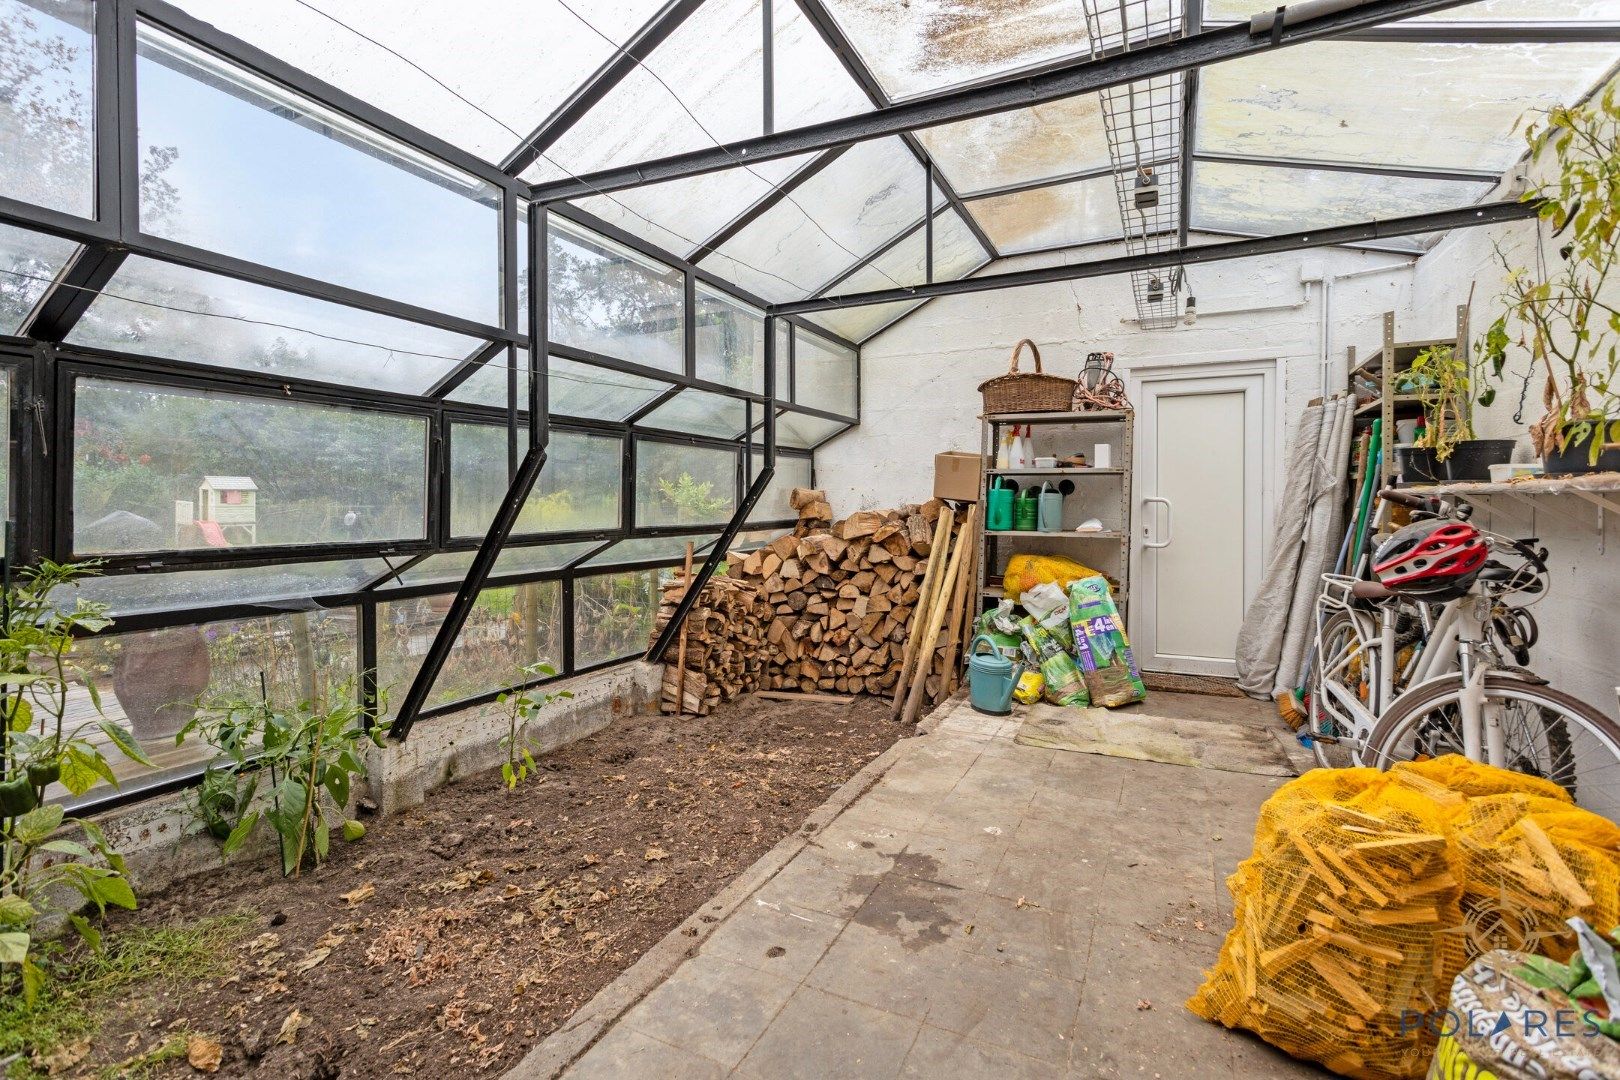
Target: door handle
{"type": "Point", "coordinates": [1169, 522]}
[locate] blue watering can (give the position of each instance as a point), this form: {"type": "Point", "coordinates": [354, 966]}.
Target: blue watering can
{"type": "Point", "coordinates": [992, 678]}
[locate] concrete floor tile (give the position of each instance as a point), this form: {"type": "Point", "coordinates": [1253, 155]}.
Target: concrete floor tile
{"type": "Point", "coordinates": [860, 846]}
{"type": "Point", "coordinates": [960, 813]}
{"type": "Point", "coordinates": [1006, 1005]}
{"type": "Point", "coordinates": [1068, 803]}
{"type": "Point", "coordinates": [817, 882]}
{"type": "Point", "coordinates": [914, 911]}
{"type": "Point", "coordinates": [967, 861]}
{"type": "Point", "coordinates": [683, 1011]}
{"type": "Point", "coordinates": [895, 809]}
{"type": "Point", "coordinates": [878, 969]}
{"type": "Point", "coordinates": [625, 1052]}
{"type": "Point", "coordinates": [940, 1053]}
{"type": "Point", "coordinates": [1055, 942]}
{"type": "Point", "coordinates": [779, 938]}
{"type": "Point", "coordinates": [819, 1036]}
{"type": "Point", "coordinates": [1069, 882]}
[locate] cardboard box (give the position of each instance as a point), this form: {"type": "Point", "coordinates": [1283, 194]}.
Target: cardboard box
{"type": "Point", "coordinates": [956, 475]}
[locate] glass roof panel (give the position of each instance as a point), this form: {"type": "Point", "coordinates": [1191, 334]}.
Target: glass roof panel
{"type": "Point", "coordinates": [46, 123]}
{"type": "Point", "coordinates": [927, 45]}
{"type": "Point", "coordinates": [29, 262]}
{"type": "Point", "coordinates": [1055, 139]}
{"type": "Point", "coordinates": [487, 385]}
{"type": "Point", "coordinates": [608, 299]}
{"type": "Point", "coordinates": [811, 82]}
{"type": "Point", "coordinates": [872, 192]}
{"type": "Point", "coordinates": [292, 583]}
{"type": "Point", "coordinates": [1485, 11]}
{"type": "Point", "coordinates": [1399, 103]}
{"type": "Point", "coordinates": [648, 548]}
{"type": "Point", "coordinates": [597, 393]}
{"type": "Point", "coordinates": [160, 309]}
{"type": "Point", "coordinates": [1268, 200]}
{"type": "Point", "coordinates": [474, 48]}
{"type": "Point", "coordinates": [1057, 216]}
{"type": "Point", "coordinates": [801, 431]}
{"type": "Point", "coordinates": [957, 253]}
{"type": "Point", "coordinates": [698, 412]}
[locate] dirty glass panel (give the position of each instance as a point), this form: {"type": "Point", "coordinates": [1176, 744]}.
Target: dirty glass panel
{"type": "Point", "coordinates": [5, 441]}
{"type": "Point", "coordinates": [1055, 139]}
{"type": "Point", "coordinates": [730, 341]}
{"type": "Point", "coordinates": [523, 265]}
{"type": "Point", "coordinates": [611, 300]}
{"type": "Point", "coordinates": [487, 385]}
{"type": "Point", "coordinates": [597, 393]}
{"type": "Point", "coordinates": [476, 51]}
{"type": "Point", "coordinates": [684, 485]}
{"type": "Point", "coordinates": [160, 309]}
{"type": "Point", "coordinates": [957, 253]}
{"type": "Point", "coordinates": [577, 489]}
{"type": "Point", "coordinates": [784, 373]}
{"type": "Point", "coordinates": [1529, 11]}
{"type": "Point", "coordinates": [238, 165]}
{"type": "Point", "coordinates": [29, 262]}
{"type": "Point", "coordinates": [837, 216]}
{"type": "Point", "coordinates": [1258, 199]}
{"type": "Point", "coordinates": [1401, 103]}
{"type": "Point", "coordinates": [507, 629]}
{"type": "Point", "coordinates": [791, 471]}
{"type": "Point", "coordinates": [1075, 213]}
{"type": "Point", "coordinates": [160, 469]}
{"type": "Point", "coordinates": [149, 681]}
{"type": "Point", "coordinates": [800, 431]}
{"type": "Point", "coordinates": [613, 614]}
{"type": "Point", "coordinates": [698, 412]}
{"type": "Point", "coordinates": [811, 83]}
{"type": "Point", "coordinates": [648, 548]}
{"type": "Point", "coordinates": [47, 119]}
{"type": "Point", "coordinates": [825, 374]}
{"type": "Point", "coordinates": [932, 44]}
{"type": "Point", "coordinates": [451, 566]}
{"type": "Point", "coordinates": [292, 584]}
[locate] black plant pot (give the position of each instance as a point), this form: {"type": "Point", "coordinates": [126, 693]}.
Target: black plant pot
{"type": "Point", "coordinates": [1418, 466]}
{"type": "Point", "coordinates": [1472, 459]}
{"type": "Point", "coordinates": [1575, 457]}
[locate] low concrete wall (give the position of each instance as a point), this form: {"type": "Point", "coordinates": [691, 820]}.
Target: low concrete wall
{"type": "Point", "coordinates": [161, 839]}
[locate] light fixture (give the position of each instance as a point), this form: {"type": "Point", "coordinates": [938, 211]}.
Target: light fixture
{"type": "Point", "coordinates": [1155, 290]}
{"type": "Point", "coordinates": [1147, 189]}
{"type": "Point", "coordinates": [1191, 315]}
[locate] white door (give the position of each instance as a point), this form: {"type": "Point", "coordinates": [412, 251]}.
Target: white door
{"type": "Point", "coordinates": [1202, 487]}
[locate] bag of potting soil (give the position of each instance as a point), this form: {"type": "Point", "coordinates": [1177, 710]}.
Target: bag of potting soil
{"type": "Point", "coordinates": [1064, 686]}
{"type": "Point", "coordinates": [1505, 1021]}
{"type": "Point", "coordinates": [1100, 645]}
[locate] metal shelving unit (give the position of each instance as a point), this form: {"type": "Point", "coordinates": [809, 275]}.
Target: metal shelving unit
{"type": "Point", "coordinates": [1086, 502]}
{"type": "Point", "coordinates": [1386, 363]}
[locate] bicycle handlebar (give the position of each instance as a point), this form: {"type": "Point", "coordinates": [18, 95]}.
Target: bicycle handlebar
{"type": "Point", "coordinates": [1426, 503]}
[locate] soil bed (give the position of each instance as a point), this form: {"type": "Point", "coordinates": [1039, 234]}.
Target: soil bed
{"type": "Point", "coordinates": [459, 934]}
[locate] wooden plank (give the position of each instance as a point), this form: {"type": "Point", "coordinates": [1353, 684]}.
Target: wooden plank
{"type": "Point", "coordinates": [931, 577]}
{"type": "Point", "coordinates": [796, 695]}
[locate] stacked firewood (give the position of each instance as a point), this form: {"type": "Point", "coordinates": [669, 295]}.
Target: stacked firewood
{"type": "Point", "coordinates": [721, 652]}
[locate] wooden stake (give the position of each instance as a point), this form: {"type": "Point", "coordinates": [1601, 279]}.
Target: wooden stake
{"type": "Point", "coordinates": [930, 584]}
{"type": "Point", "coordinates": [680, 653]}
{"type": "Point", "coordinates": [960, 607]}
{"type": "Point", "coordinates": [936, 617]}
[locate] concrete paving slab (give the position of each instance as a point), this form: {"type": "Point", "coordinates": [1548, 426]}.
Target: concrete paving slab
{"type": "Point", "coordinates": [818, 1035]}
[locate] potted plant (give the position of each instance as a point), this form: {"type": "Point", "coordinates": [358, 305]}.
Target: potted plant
{"type": "Point", "coordinates": [1565, 315]}
{"type": "Point", "coordinates": [1440, 378]}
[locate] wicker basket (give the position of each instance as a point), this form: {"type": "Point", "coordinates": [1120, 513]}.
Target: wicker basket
{"type": "Point", "coordinates": [1017, 392]}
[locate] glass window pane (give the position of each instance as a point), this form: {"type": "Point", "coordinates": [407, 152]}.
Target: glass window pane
{"type": "Point", "coordinates": [238, 165]}
{"type": "Point", "coordinates": [869, 195]}
{"type": "Point", "coordinates": [791, 472]}
{"type": "Point", "coordinates": [577, 489]}
{"type": "Point", "coordinates": [47, 122]}
{"type": "Point", "coordinates": [237, 324]}
{"type": "Point", "coordinates": [598, 393]}
{"type": "Point", "coordinates": [649, 548]}
{"type": "Point", "coordinates": [698, 412]}
{"type": "Point", "coordinates": [825, 375]}
{"type": "Point", "coordinates": [29, 262]}
{"type": "Point", "coordinates": [1258, 199]}
{"type": "Point", "coordinates": [1453, 106]}
{"type": "Point", "coordinates": [799, 431]}
{"type": "Point", "coordinates": [1076, 213]}
{"type": "Point", "coordinates": [611, 300]}
{"type": "Point", "coordinates": [730, 341]}
{"type": "Point", "coordinates": [1054, 139]}
{"type": "Point", "coordinates": [474, 48]}
{"type": "Point", "coordinates": [684, 485]}
{"type": "Point", "coordinates": [176, 590]}
{"type": "Point", "coordinates": [487, 385]}
{"type": "Point", "coordinates": [613, 615]}
{"type": "Point", "coordinates": [784, 368]}
{"type": "Point", "coordinates": [148, 680]}
{"type": "Point", "coordinates": [523, 265]}
{"type": "Point", "coordinates": [932, 44]}
{"type": "Point", "coordinates": [450, 567]}
{"type": "Point", "coordinates": [160, 469]}
{"type": "Point", "coordinates": [1529, 11]}
{"type": "Point", "coordinates": [5, 440]}
{"type": "Point", "coordinates": [753, 539]}
{"type": "Point", "coordinates": [506, 630]}
{"type": "Point", "coordinates": [957, 253]}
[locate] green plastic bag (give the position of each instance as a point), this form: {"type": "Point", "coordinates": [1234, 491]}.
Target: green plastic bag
{"type": "Point", "coordinates": [1100, 645]}
{"type": "Point", "coordinates": [1064, 684]}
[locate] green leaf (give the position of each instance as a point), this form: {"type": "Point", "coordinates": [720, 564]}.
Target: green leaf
{"type": "Point", "coordinates": [509, 776]}
{"type": "Point", "coordinates": [337, 785]}
{"type": "Point", "coordinates": [239, 834]}
{"type": "Point", "coordinates": [91, 936]}
{"type": "Point", "coordinates": [16, 911]}
{"type": "Point", "coordinates": [22, 714]}
{"type": "Point", "coordinates": [37, 824]}
{"type": "Point", "coordinates": [112, 890]}
{"type": "Point", "coordinates": [68, 847]}
{"type": "Point", "coordinates": [13, 946]}
{"type": "Point", "coordinates": [323, 840]}
{"type": "Point", "coordinates": [124, 741]}
{"type": "Point", "coordinates": [33, 980]}
{"type": "Point", "coordinates": [21, 678]}
{"type": "Point", "coordinates": [79, 773]}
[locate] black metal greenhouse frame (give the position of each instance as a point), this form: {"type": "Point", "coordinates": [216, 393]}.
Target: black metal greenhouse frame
{"type": "Point", "coordinates": [43, 370]}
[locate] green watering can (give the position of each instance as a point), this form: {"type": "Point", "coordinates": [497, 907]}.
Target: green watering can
{"type": "Point", "coordinates": [992, 678]}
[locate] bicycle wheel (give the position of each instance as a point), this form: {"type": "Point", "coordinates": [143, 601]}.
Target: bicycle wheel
{"type": "Point", "coordinates": [1547, 734]}
{"type": "Point", "coordinates": [1342, 658]}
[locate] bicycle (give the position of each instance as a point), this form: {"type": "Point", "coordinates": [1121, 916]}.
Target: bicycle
{"type": "Point", "coordinates": [1397, 678]}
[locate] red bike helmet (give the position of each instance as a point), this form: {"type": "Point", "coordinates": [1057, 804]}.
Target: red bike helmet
{"type": "Point", "coordinates": [1434, 559]}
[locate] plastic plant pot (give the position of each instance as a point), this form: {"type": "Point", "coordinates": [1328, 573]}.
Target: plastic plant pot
{"type": "Point", "coordinates": [1472, 459]}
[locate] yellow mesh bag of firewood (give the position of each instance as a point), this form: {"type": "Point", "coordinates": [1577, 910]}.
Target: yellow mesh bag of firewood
{"type": "Point", "coordinates": [1369, 891]}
